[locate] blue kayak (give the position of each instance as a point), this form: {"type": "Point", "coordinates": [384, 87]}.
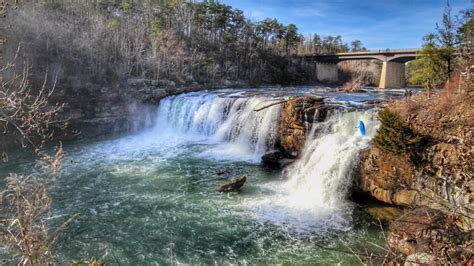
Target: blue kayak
{"type": "Point", "coordinates": [362, 128]}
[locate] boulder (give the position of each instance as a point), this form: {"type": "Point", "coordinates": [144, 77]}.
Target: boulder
{"type": "Point", "coordinates": [233, 185]}
{"type": "Point", "coordinates": [277, 160]}
{"type": "Point", "coordinates": [384, 213]}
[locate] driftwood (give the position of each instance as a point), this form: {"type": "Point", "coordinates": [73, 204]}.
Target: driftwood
{"type": "Point", "coordinates": [318, 100]}
{"type": "Point", "coordinates": [270, 105]}
{"type": "Point", "coordinates": [233, 185]}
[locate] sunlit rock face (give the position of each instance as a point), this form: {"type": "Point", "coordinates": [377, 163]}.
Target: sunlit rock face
{"type": "Point", "coordinates": [297, 116]}
{"type": "Point", "coordinates": [387, 178]}
{"type": "Point", "coordinates": [436, 174]}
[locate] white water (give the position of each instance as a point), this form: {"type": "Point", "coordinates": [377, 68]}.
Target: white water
{"type": "Point", "coordinates": [226, 119]}
{"type": "Point", "coordinates": [312, 195]}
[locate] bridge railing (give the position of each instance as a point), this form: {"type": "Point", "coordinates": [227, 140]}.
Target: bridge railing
{"type": "Point", "coordinates": [380, 51]}
{"type": "Point", "coordinates": [394, 50]}
{"type": "Point", "coordinates": [383, 51]}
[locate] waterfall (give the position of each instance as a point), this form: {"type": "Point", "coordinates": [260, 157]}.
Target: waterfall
{"type": "Point", "coordinates": [223, 118]}
{"type": "Point", "coordinates": [314, 191]}
{"type": "Point", "coordinates": [321, 177]}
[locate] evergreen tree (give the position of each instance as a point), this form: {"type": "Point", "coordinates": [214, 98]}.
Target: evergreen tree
{"type": "Point", "coordinates": [427, 68]}
{"type": "Point", "coordinates": [447, 37]}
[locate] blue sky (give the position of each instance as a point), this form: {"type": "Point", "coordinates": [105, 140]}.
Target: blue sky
{"type": "Point", "coordinates": [379, 24]}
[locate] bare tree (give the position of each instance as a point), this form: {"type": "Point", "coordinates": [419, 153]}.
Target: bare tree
{"type": "Point", "coordinates": [27, 113]}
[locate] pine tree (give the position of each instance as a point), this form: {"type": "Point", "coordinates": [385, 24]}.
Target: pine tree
{"type": "Point", "coordinates": [428, 67]}
{"type": "Point", "coordinates": [447, 37]}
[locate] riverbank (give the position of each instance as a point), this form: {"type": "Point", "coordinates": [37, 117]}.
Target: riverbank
{"type": "Point", "coordinates": [164, 179]}
{"type": "Point", "coordinates": [422, 160]}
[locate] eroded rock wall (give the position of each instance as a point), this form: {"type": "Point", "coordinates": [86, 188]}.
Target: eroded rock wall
{"type": "Point", "coordinates": [96, 110]}
{"type": "Point", "coordinates": [296, 118]}
{"type": "Point", "coordinates": [437, 174]}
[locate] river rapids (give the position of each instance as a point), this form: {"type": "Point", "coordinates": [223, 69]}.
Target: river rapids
{"type": "Point", "coordinates": [150, 198]}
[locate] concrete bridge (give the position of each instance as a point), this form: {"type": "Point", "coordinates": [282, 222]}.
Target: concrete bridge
{"type": "Point", "coordinates": [393, 69]}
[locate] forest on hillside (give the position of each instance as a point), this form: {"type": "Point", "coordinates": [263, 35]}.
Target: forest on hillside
{"type": "Point", "coordinates": [186, 42]}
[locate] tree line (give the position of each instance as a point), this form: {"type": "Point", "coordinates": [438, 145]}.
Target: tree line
{"type": "Point", "coordinates": [446, 51]}
{"type": "Point", "coordinates": [183, 41]}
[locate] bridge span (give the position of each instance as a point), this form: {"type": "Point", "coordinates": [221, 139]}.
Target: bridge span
{"type": "Point", "coordinates": [393, 68]}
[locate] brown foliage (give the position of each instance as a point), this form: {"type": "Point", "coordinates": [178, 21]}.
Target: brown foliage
{"type": "Point", "coordinates": [360, 74]}
{"type": "Point", "coordinates": [25, 110]}
{"type": "Point", "coordinates": [25, 203]}
{"type": "Point", "coordinates": [447, 115]}
{"type": "Point", "coordinates": [25, 206]}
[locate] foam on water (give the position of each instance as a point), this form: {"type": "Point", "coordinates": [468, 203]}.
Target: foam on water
{"type": "Point", "coordinates": [245, 133]}
{"type": "Point", "coordinates": [313, 193]}
{"type": "Point", "coordinates": [139, 193]}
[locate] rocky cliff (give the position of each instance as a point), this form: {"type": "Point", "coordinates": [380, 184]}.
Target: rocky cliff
{"type": "Point", "coordinates": [422, 158]}
{"type": "Point", "coordinates": [297, 116]}
{"type": "Point", "coordinates": [97, 110]}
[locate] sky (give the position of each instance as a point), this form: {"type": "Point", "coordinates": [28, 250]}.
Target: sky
{"type": "Point", "coordinates": [379, 24]}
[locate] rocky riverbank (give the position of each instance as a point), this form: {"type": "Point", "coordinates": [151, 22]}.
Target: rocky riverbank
{"type": "Point", "coordinates": [421, 160]}
{"type": "Point", "coordinates": [123, 108]}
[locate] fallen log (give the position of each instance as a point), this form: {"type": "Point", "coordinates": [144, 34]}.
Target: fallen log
{"type": "Point", "coordinates": [233, 185]}
{"type": "Point", "coordinates": [270, 105]}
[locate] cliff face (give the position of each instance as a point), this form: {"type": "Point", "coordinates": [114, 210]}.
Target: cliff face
{"type": "Point", "coordinates": [295, 121]}
{"type": "Point", "coordinates": [422, 158]}
{"type": "Point", "coordinates": [97, 110]}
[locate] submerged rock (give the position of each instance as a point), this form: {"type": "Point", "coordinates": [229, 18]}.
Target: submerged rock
{"type": "Point", "coordinates": [277, 160]}
{"type": "Point", "coordinates": [233, 185]}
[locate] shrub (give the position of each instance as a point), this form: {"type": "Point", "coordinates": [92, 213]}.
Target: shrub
{"type": "Point", "coordinates": [394, 136]}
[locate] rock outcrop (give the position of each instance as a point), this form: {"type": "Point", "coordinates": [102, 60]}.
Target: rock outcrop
{"type": "Point", "coordinates": [277, 160]}
{"type": "Point", "coordinates": [387, 178]}
{"type": "Point", "coordinates": [422, 158]}
{"type": "Point", "coordinates": [437, 174]}
{"type": "Point", "coordinates": [428, 236]}
{"type": "Point", "coordinates": [297, 116]}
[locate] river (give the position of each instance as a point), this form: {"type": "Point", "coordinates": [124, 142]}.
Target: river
{"type": "Point", "coordinates": [150, 198]}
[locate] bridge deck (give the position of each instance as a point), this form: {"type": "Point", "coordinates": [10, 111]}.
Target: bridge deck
{"type": "Point", "coordinates": [370, 52]}
{"type": "Point", "coordinates": [399, 55]}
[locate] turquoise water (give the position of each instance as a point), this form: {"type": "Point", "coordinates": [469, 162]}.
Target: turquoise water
{"type": "Point", "coordinates": [151, 198]}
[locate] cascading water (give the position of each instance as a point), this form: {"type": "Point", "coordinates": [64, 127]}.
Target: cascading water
{"type": "Point", "coordinates": [321, 176]}
{"type": "Point", "coordinates": [141, 194]}
{"type": "Point", "coordinates": [222, 118]}
{"type": "Point", "coordinates": [313, 197]}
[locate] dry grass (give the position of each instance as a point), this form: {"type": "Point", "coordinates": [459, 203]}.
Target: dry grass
{"type": "Point", "coordinates": [25, 205]}
{"type": "Point", "coordinates": [448, 115]}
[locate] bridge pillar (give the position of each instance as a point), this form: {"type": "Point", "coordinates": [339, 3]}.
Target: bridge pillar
{"type": "Point", "coordinates": [393, 75]}
{"type": "Point", "coordinates": [326, 72]}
